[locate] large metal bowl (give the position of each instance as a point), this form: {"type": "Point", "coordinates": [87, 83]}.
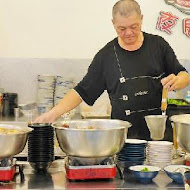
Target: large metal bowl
{"type": "Point", "coordinates": [12, 144]}
{"type": "Point", "coordinates": [105, 139]}
{"type": "Point", "coordinates": [182, 124]}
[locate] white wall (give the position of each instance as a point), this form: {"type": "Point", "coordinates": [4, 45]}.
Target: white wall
{"type": "Point", "coordinates": [71, 28]}
{"type": "Point", "coordinates": [61, 37]}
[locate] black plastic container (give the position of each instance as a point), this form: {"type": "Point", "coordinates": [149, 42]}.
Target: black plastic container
{"type": "Point", "coordinates": [178, 109]}
{"type": "Point", "coordinates": [10, 101]}
{"type": "Point", "coordinates": [41, 146]}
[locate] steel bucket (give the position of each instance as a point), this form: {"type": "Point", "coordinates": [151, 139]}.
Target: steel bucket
{"type": "Point", "coordinates": [12, 144]}
{"type": "Point", "coordinates": [182, 124]}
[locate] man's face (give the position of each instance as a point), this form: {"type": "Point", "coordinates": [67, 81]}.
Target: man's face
{"type": "Point", "coordinates": [128, 28]}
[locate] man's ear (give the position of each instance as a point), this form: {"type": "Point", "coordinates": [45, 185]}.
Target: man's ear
{"type": "Point", "coordinates": [142, 17]}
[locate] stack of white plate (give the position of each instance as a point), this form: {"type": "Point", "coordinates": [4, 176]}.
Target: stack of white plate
{"type": "Point", "coordinates": [63, 85]}
{"type": "Point", "coordinates": [159, 153]}
{"type": "Point", "coordinates": [45, 92]}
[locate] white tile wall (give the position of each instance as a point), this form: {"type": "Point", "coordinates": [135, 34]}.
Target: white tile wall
{"type": "Point", "coordinates": [20, 74]}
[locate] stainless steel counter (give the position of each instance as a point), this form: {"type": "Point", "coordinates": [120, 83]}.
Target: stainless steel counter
{"type": "Point", "coordinates": [55, 179]}
{"type": "Point", "coordinates": [3, 119]}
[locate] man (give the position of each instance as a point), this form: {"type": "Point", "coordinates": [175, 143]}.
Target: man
{"type": "Point", "coordinates": [133, 68]}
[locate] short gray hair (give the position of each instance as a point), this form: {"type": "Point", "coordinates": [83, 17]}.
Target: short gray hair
{"type": "Point", "coordinates": [125, 8]}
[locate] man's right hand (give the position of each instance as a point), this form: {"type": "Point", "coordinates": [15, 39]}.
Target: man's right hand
{"type": "Point", "coordinates": [48, 117]}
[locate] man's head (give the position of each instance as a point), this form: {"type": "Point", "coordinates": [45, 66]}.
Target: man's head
{"type": "Point", "coordinates": [127, 20]}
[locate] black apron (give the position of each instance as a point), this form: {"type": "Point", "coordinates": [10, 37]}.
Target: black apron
{"type": "Point", "coordinates": [136, 98]}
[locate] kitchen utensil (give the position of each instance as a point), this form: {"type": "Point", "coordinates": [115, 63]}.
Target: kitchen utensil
{"type": "Point", "coordinates": [10, 101]}
{"type": "Point", "coordinates": [12, 144]}
{"type": "Point", "coordinates": [145, 176]}
{"type": "Point", "coordinates": [173, 172]}
{"type": "Point", "coordinates": [164, 101]}
{"type": "Point", "coordinates": [29, 110]}
{"type": "Point", "coordinates": [182, 124]}
{"type": "Point", "coordinates": [175, 141]}
{"type": "Point", "coordinates": [156, 125]}
{"type": "Point", "coordinates": [41, 146]}
{"type": "Point", "coordinates": [91, 138]}
{"type": "Point", "coordinates": [159, 153]}
{"type": "Point", "coordinates": [182, 171]}
{"type": "Point", "coordinates": [104, 170]}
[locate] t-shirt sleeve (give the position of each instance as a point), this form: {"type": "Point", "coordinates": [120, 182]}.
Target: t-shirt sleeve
{"type": "Point", "coordinates": [171, 63]}
{"type": "Point", "coordinates": [93, 84]}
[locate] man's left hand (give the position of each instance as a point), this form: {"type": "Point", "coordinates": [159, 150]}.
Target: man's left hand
{"type": "Point", "coordinates": [176, 82]}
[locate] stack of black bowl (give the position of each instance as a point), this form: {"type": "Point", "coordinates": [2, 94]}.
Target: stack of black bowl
{"type": "Point", "coordinates": [41, 146]}
{"type": "Point", "coordinates": [132, 153]}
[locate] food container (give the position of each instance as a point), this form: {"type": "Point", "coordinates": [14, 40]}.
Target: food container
{"type": "Point", "coordinates": [91, 138]}
{"type": "Point", "coordinates": [174, 174]}
{"type": "Point", "coordinates": [182, 124]}
{"type": "Point", "coordinates": [145, 173]}
{"type": "Point", "coordinates": [174, 107]}
{"type": "Point", "coordinates": [12, 144]}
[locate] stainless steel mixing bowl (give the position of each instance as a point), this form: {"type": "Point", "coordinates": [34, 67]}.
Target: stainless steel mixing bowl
{"type": "Point", "coordinates": [105, 139]}
{"type": "Point", "coordinates": [182, 124]}
{"type": "Point", "coordinates": [12, 144]}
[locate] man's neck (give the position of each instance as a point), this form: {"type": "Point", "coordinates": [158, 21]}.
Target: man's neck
{"type": "Point", "coordinates": [134, 46]}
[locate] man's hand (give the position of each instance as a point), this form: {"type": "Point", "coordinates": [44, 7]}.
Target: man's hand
{"type": "Point", "coordinates": [173, 82]}
{"type": "Point", "coordinates": [70, 101]}
{"type": "Point", "coordinates": [48, 117]}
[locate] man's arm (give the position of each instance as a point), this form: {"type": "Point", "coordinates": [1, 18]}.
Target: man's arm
{"type": "Point", "coordinates": [176, 82]}
{"type": "Point", "coordinates": [71, 100]}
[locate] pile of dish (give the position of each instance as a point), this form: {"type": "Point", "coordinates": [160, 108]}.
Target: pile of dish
{"type": "Point", "coordinates": [62, 86]}
{"type": "Point", "coordinates": [132, 153]}
{"type": "Point", "coordinates": [159, 153]}
{"type": "Point", "coordinates": [41, 146]}
{"type": "Point", "coordinates": [45, 92]}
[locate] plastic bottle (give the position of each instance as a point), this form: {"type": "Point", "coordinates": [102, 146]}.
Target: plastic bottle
{"type": "Point", "coordinates": [188, 97]}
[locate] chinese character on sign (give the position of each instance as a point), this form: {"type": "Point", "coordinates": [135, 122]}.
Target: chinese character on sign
{"type": "Point", "coordinates": [166, 21]}
{"type": "Point", "coordinates": [182, 5]}
{"type": "Point", "coordinates": [186, 26]}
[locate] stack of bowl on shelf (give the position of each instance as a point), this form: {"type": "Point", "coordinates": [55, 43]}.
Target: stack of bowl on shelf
{"type": "Point", "coordinates": [62, 86]}
{"type": "Point", "coordinates": [132, 153]}
{"type": "Point", "coordinates": [45, 92]}
{"type": "Point", "coordinates": [159, 153]}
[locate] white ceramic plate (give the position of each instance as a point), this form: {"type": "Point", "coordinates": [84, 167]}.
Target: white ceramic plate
{"type": "Point", "coordinates": [135, 141]}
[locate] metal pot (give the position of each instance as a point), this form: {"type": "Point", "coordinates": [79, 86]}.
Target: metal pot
{"type": "Point", "coordinates": [105, 139]}
{"type": "Point", "coordinates": [182, 124]}
{"type": "Point", "coordinates": [12, 144]}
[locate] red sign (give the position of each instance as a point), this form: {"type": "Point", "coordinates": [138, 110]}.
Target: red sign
{"type": "Point", "coordinates": [166, 21]}
{"type": "Point", "coordinates": [186, 26]}
{"type": "Point", "coordinates": [182, 5]}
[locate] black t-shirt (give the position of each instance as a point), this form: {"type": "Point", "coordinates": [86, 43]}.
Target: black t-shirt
{"type": "Point", "coordinates": [153, 59]}
{"type": "Point", "coordinates": [103, 73]}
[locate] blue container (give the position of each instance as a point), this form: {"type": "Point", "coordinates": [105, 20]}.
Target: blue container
{"type": "Point", "coordinates": [176, 176]}
{"type": "Point", "coordinates": [145, 176]}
